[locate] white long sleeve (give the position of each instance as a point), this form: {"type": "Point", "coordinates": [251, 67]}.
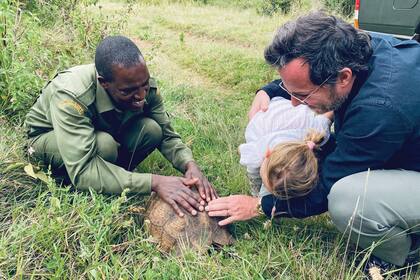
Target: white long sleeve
{"type": "Point", "coordinates": [280, 123]}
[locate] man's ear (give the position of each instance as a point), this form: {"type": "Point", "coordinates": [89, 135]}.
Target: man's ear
{"type": "Point", "coordinates": [103, 82]}
{"type": "Point", "coordinates": [345, 77]}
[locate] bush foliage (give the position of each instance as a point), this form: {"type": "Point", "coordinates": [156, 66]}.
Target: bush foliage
{"type": "Point", "coordinates": [271, 7]}
{"type": "Point", "coordinates": [343, 7]}
{"type": "Point", "coordinates": [39, 37]}
{"type": "Point", "coordinates": [208, 60]}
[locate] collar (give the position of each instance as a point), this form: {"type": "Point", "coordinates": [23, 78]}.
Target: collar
{"type": "Point", "coordinates": [103, 101]}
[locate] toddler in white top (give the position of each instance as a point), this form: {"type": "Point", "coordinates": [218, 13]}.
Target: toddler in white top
{"type": "Point", "coordinates": [280, 146]}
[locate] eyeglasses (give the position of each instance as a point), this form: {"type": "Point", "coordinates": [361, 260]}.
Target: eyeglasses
{"type": "Point", "coordinates": [302, 97]}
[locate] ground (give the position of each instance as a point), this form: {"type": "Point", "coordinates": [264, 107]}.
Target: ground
{"type": "Point", "coordinates": [208, 62]}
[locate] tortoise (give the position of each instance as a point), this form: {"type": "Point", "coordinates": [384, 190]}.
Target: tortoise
{"type": "Point", "coordinates": [173, 232]}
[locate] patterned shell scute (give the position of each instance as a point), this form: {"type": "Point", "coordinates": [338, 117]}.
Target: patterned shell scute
{"type": "Point", "coordinates": [173, 232]}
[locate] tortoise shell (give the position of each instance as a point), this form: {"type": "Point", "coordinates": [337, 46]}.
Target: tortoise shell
{"type": "Point", "coordinates": [173, 232]}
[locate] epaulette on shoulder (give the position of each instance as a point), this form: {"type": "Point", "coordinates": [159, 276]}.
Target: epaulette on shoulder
{"type": "Point", "coordinates": [79, 82]}
{"type": "Point", "coordinates": [88, 97]}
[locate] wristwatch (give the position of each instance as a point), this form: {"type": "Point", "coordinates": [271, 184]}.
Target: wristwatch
{"type": "Point", "coordinates": [259, 209]}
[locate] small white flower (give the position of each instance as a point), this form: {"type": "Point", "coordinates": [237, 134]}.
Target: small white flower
{"type": "Point", "coordinates": [247, 236]}
{"type": "Point", "coordinates": [267, 224]}
{"type": "Point", "coordinates": [31, 150]}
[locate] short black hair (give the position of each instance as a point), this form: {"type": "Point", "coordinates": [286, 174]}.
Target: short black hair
{"type": "Point", "coordinates": [326, 43]}
{"type": "Point", "coordinates": [116, 50]}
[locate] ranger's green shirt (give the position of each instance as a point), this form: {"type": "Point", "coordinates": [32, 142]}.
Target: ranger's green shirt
{"type": "Point", "coordinates": [74, 105]}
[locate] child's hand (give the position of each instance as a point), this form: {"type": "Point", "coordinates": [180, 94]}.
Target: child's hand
{"type": "Point", "coordinates": [260, 103]}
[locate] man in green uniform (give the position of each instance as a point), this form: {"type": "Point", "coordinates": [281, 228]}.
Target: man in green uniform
{"type": "Point", "coordinates": [95, 123]}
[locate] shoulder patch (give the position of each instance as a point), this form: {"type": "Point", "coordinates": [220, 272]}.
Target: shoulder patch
{"type": "Point", "coordinates": [68, 103]}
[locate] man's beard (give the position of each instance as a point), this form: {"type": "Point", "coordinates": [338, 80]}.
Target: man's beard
{"type": "Point", "coordinates": [336, 102]}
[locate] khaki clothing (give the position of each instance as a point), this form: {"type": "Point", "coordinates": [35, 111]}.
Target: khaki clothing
{"type": "Point", "coordinates": [379, 208]}
{"type": "Point", "coordinates": [75, 106]}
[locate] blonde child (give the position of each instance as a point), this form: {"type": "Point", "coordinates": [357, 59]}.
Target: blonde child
{"type": "Point", "coordinates": [280, 149]}
{"type": "Point", "coordinates": [291, 168]}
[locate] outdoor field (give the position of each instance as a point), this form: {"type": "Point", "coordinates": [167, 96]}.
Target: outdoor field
{"type": "Point", "coordinates": [208, 61]}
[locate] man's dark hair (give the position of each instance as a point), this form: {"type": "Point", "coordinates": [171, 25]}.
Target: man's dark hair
{"type": "Point", "coordinates": [325, 42]}
{"type": "Point", "coordinates": [115, 50]}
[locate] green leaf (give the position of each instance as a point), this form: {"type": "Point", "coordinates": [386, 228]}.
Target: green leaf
{"type": "Point", "coordinates": [29, 169]}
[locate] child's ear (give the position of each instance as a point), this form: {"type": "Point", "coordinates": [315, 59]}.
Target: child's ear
{"type": "Point", "coordinates": [268, 153]}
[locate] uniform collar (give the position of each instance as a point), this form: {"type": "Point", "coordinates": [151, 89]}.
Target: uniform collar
{"type": "Point", "coordinates": [103, 101]}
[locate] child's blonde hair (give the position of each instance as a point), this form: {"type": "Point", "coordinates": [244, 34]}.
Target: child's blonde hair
{"type": "Point", "coordinates": [292, 167]}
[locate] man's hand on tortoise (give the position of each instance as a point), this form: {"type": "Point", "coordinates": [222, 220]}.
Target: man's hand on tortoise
{"type": "Point", "coordinates": [234, 207]}
{"type": "Point", "coordinates": [206, 190]}
{"type": "Point", "coordinates": [176, 192]}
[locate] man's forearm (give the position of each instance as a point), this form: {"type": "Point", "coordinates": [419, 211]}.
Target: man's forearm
{"type": "Point", "coordinates": [299, 207]}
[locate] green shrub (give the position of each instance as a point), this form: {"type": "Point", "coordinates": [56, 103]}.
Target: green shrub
{"type": "Point", "coordinates": [32, 50]}
{"type": "Point", "coordinates": [50, 11]}
{"type": "Point", "coordinates": [263, 7]}
{"type": "Point", "coordinates": [270, 7]}
{"type": "Point", "coordinates": [244, 4]}
{"type": "Point", "coordinates": [92, 29]}
{"type": "Point", "coordinates": [343, 7]}
{"type": "Point", "coordinates": [17, 65]}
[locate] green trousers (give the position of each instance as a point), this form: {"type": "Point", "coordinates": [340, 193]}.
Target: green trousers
{"type": "Point", "coordinates": [381, 209]}
{"type": "Point", "coordinates": [134, 145]}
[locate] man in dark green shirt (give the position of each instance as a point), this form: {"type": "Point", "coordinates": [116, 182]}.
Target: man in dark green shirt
{"type": "Point", "coordinates": [95, 123]}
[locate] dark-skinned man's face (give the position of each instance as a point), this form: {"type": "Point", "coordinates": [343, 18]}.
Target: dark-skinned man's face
{"type": "Point", "coordinates": [129, 86]}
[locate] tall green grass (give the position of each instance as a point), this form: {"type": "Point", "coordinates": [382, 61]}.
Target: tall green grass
{"type": "Point", "coordinates": [40, 37]}
{"type": "Point", "coordinates": [208, 61]}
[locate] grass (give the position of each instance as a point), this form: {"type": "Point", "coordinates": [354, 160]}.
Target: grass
{"type": "Point", "coordinates": [208, 62]}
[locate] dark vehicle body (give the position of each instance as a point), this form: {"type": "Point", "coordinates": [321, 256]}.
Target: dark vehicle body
{"type": "Point", "coordinates": [400, 18]}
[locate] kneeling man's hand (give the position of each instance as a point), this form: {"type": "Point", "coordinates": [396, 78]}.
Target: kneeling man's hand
{"type": "Point", "coordinates": [176, 191]}
{"type": "Point", "coordinates": [234, 207]}
{"type": "Point", "coordinates": [206, 190]}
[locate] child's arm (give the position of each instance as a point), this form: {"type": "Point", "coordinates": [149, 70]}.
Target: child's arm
{"type": "Point", "coordinates": [250, 158]}
{"type": "Point", "coordinates": [254, 180]}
